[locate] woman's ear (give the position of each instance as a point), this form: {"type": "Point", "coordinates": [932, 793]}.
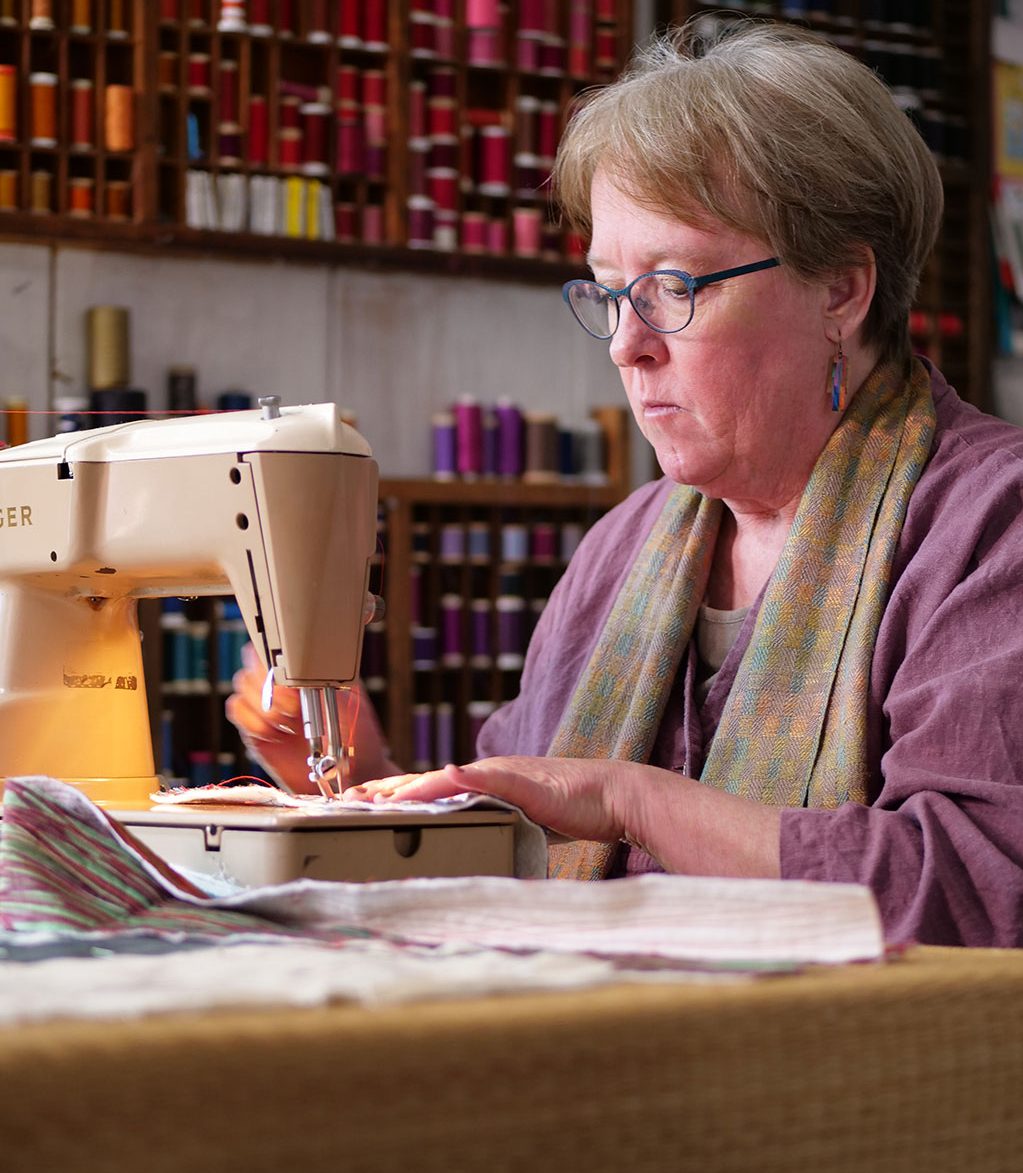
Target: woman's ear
{"type": "Point", "coordinates": [849, 296]}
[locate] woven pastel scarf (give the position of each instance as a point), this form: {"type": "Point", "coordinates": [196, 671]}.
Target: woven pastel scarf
{"type": "Point", "coordinates": [794, 728]}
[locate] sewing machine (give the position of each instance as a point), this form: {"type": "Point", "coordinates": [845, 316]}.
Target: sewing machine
{"type": "Point", "coordinates": [275, 506]}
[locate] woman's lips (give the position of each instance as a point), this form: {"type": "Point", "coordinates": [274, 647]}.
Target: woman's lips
{"type": "Point", "coordinates": [656, 410]}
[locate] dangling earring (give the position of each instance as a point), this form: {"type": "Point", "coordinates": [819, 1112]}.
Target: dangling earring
{"type": "Point", "coordinates": [839, 381]}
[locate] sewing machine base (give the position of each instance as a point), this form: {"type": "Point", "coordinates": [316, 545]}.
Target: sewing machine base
{"type": "Point", "coordinates": [259, 847]}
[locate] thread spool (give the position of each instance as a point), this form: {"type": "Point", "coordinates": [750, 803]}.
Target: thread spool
{"type": "Point", "coordinates": [424, 648]}
{"type": "Point", "coordinates": [345, 221]}
{"type": "Point", "coordinates": [527, 225]}
{"type": "Point", "coordinates": [477, 713]}
{"type": "Point", "coordinates": [441, 117]}
{"type": "Point", "coordinates": [417, 109]}
{"type": "Point", "coordinates": [421, 533]}
{"type": "Point", "coordinates": [493, 161]}
{"type": "Point", "coordinates": [198, 73]}
{"type": "Point", "coordinates": [482, 13]}
{"type": "Point", "coordinates": [469, 435]}
{"type": "Point", "coordinates": [474, 232]}
{"type": "Point", "coordinates": [285, 18]}
{"type": "Point", "coordinates": [258, 17]}
{"type": "Point", "coordinates": [415, 594]}
{"type": "Point", "coordinates": [118, 199]}
{"type": "Point", "coordinates": [533, 16]}
{"type": "Point", "coordinates": [527, 52]}
{"type": "Point", "coordinates": [511, 631]}
{"type": "Point", "coordinates": [374, 87]}
{"type": "Point", "coordinates": [41, 15]}
{"type": "Point", "coordinates": [514, 543]}
{"type": "Point", "coordinates": [374, 657]}
{"type": "Point", "coordinates": [81, 196]}
{"type": "Point", "coordinates": [552, 56]}
{"type": "Point", "coordinates": [374, 25]}
{"type": "Point", "coordinates": [315, 117]}
{"type": "Point", "coordinates": [591, 457]}
{"type": "Point", "coordinates": [40, 193]}
{"type": "Point", "coordinates": [82, 124]}
{"type": "Point", "coordinates": [567, 456]}
{"type": "Point", "coordinates": [489, 442]}
{"type": "Point", "coordinates": [117, 405]}
{"type": "Point", "coordinates": [167, 69]}
{"type": "Point", "coordinates": [543, 542]}
{"type": "Point", "coordinates": [376, 158]}
{"type": "Point", "coordinates": [509, 453]}
{"type": "Point", "coordinates": [351, 149]}
{"type": "Point", "coordinates": [8, 104]}
{"type": "Point", "coordinates": [443, 434]}
{"type": "Point", "coordinates": [289, 148]}
{"type": "Point", "coordinates": [452, 608]}
{"type": "Point", "coordinates": [350, 26]}
{"type": "Point", "coordinates": [478, 542]}
{"type": "Point", "coordinates": [570, 537]}
{"type": "Point", "coordinates": [497, 236]}
{"type": "Point", "coordinates": [422, 737]}
{"type": "Point", "coordinates": [229, 144]}
{"type": "Point", "coordinates": [170, 11]}
{"type": "Point", "coordinates": [43, 91]}
{"type": "Point", "coordinates": [420, 222]}
{"type": "Point", "coordinates": [232, 18]}
{"type": "Point", "coordinates": [422, 34]}
{"type": "Point", "coordinates": [107, 332]}
{"type": "Point", "coordinates": [228, 91]}
{"type": "Point", "coordinates": [117, 20]}
{"type": "Point", "coordinates": [480, 633]}
{"type": "Point", "coordinates": [442, 187]}
{"type": "Point", "coordinates": [119, 120]}
{"type": "Point", "coordinates": [16, 413]}
{"type": "Point", "coordinates": [8, 191]}
{"type": "Point", "coordinates": [181, 389]}
{"type": "Point", "coordinates": [541, 448]}
{"type": "Point", "coordinates": [373, 224]}
{"type": "Point", "coordinates": [375, 122]}
{"type": "Point", "coordinates": [259, 130]}
{"type": "Point", "coordinates": [452, 543]}
{"type": "Point", "coordinates": [318, 23]}
{"type": "Point", "coordinates": [234, 401]}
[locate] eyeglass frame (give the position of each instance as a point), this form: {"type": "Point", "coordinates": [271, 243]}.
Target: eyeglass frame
{"type": "Point", "coordinates": [693, 284]}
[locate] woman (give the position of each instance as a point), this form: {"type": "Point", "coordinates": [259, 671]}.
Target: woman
{"type": "Point", "coordinates": [798, 654]}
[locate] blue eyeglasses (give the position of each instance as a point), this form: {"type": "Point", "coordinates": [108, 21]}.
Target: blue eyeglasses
{"type": "Point", "coordinates": [664, 300]}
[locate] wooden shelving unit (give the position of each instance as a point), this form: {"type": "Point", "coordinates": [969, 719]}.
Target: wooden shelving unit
{"type": "Point", "coordinates": [400, 132]}
{"type": "Point", "coordinates": [935, 54]}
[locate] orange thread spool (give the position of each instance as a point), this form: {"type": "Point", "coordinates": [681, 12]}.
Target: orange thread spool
{"type": "Point", "coordinates": [41, 16]}
{"type": "Point", "coordinates": [119, 124]}
{"type": "Point", "coordinates": [41, 198]}
{"type": "Point", "coordinates": [43, 88]}
{"type": "Point", "coordinates": [80, 197]}
{"type": "Point", "coordinates": [8, 103]}
{"type": "Point", "coordinates": [118, 199]}
{"type": "Point", "coordinates": [81, 114]}
{"type": "Point", "coordinates": [16, 411]}
{"type": "Point", "coordinates": [116, 23]}
{"type": "Point", "coordinates": [8, 191]}
{"type": "Point", "coordinates": [81, 16]}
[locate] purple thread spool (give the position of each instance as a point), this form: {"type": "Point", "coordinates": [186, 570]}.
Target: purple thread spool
{"type": "Point", "coordinates": [489, 443]}
{"type": "Point", "coordinates": [415, 583]}
{"type": "Point", "coordinates": [509, 439]}
{"type": "Point", "coordinates": [452, 608]}
{"type": "Point", "coordinates": [424, 647]}
{"type": "Point", "coordinates": [452, 542]}
{"type": "Point", "coordinates": [374, 656]}
{"type": "Point", "coordinates": [544, 542]}
{"type": "Point", "coordinates": [482, 647]}
{"type": "Point", "coordinates": [511, 633]}
{"type": "Point", "coordinates": [478, 712]}
{"type": "Point", "coordinates": [443, 431]}
{"type": "Point", "coordinates": [422, 737]}
{"type": "Point", "coordinates": [445, 730]}
{"type": "Point", "coordinates": [469, 425]}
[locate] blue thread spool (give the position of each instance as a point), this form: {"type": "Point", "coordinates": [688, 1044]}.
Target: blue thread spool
{"type": "Point", "coordinates": [479, 542]}
{"type": "Point", "coordinates": [514, 543]}
{"type": "Point", "coordinates": [452, 543]}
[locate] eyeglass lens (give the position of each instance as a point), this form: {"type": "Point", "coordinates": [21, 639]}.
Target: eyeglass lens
{"type": "Point", "coordinates": [662, 300]}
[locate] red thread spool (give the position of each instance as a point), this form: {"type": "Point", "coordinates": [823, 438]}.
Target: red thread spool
{"type": "Point", "coordinates": [197, 13]}
{"type": "Point", "coordinates": [527, 124]}
{"type": "Point", "coordinates": [444, 37]}
{"type": "Point", "coordinates": [199, 72]}
{"type": "Point", "coordinates": [374, 87]}
{"type": "Point", "coordinates": [606, 10]}
{"type": "Point", "coordinates": [417, 109]}
{"type": "Point", "coordinates": [418, 151]}
{"type": "Point", "coordinates": [318, 29]}
{"type": "Point", "coordinates": [351, 145]}
{"type": "Point", "coordinates": [285, 18]}
{"type": "Point", "coordinates": [474, 232]}
{"type": "Point", "coordinates": [82, 123]}
{"type": "Point", "coordinates": [374, 16]}
{"type": "Point", "coordinates": [345, 222]}
{"type": "Point", "coordinates": [420, 222]}
{"type": "Point", "coordinates": [552, 56]}
{"type": "Point", "coordinates": [289, 147]}
{"type": "Point", "coordinates": [534, 16]}
{"type": "Point", "coordinates": [605, 48]}
{"type": "Point", "coordinates": [548, 130]}
{"type": "Point", "coordinates": [493, 160]}
{"type": "Point", "coordinates": [442, 116]}
{"type": "Point", "coordinates": [81, 192]}
{"type": "Point", "coordinates": [259, 18]}
{"type": "Point", "coordinates": [350, 27]}
{"type": "Point", "coordinates": [290, 114]}
{"type": "Point", "coordinates": [259, 130]}
{"type": "Point", "coordinates": [346, 83]}
{"type": "Point", "coordinates": [170, 10]}
{"type": "Point", "coordinates": [442, 188]}
{"type": "Point", "coordinates": [43, 88]}
{"type": "Point", "coordinates": [228, 91]}
{"type": "Point", "coordinates": [441, 83]}
{"type": "Point", "coordinates": [315, 116]}
{"type": "Point", "coordinates": [422, 34]}
{"type": "Point", "coordinates": [373, 224]}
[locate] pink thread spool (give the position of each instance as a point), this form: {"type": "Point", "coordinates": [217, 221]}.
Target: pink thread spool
{"type": "Point", "coordinates": [373, 224]}
{"type": "Point", "coordinates": [493, 161]}
{"type": "Point", "coordinates": [469, 429]}
{"type": "Point", "coordinates": [497, 236]}
{"type": "Point", "coordinates": [484, 46]}
{"type": "Point", "coordinates": [351, 144]}
{"type": "Point", "coordinates": [552, 56]}
{"type": "Point", "coordinates": [420, 222]}
{"type": "Point", "coordinates": [474, 232]}
{"type": "Point", "coordinates": [527, 223]}
{"type": "Point", "coordinates": [485, 14]}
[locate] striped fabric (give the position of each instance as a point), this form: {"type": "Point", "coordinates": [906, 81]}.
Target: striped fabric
{"type": "Point", "coordinates": [64, 871]}
{"type": "Point", "coordinates": [794, 729]}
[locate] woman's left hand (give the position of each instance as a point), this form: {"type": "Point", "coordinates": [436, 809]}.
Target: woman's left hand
{"type": "Point", "coordinates": [575, 797]}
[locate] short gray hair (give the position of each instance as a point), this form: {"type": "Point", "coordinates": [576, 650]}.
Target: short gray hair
{"type": "Point", "coordinates": [775, 132]}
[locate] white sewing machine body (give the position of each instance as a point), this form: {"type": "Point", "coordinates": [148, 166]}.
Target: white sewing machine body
{"type": "Point", "coordinates": [276, 507]}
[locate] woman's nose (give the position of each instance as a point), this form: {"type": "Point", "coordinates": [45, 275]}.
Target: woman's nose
{"type": "Point", "coordinates": [633, 340]}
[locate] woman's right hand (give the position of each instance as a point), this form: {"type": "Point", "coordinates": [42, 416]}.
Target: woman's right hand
{"type": "Point", "coordinates": [274, 738]}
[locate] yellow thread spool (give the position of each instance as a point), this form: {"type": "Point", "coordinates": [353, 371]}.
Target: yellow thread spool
{"type": "Point", "coordinates": [107, 336]}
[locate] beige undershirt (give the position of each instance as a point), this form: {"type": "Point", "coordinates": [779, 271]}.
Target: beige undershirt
{"type": "Point", "coordinates": [716, 632]}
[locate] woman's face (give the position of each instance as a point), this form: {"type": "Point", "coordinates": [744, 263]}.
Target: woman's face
{"type": "Point", "coordinates": [737, 403]}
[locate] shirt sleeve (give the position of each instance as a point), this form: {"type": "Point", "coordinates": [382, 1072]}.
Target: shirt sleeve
{"type": "Point", "coordinates": [941, 844]}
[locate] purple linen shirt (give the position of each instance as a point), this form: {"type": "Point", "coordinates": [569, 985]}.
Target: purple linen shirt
{"type": "Point", "coordinates": [940, 839]}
